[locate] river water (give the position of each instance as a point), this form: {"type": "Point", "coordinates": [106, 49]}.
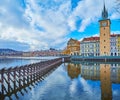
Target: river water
{"type": "Point", "coordinates": [76, 81]}
{"type": "Point", "coordinates": [19, 61]}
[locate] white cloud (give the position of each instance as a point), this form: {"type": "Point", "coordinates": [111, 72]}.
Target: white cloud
{"type": "Point", "coordinates": [73, 87]}
{"type": "Point", "coordinates": [45, 23]}
{"type": "Point", "coordinates": [89, 90]}
{"type": "Point", "coordinates": [115, 32]}
{"type": "Point", "coordinates": [84, 24]}
{"type": "Point", "coordinates": [115, 16]}
{"type": "Point", "coordinates": [52, 22]}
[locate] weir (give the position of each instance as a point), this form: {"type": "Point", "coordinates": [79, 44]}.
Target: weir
{"type": "Point", "coordinates": [14, 80]}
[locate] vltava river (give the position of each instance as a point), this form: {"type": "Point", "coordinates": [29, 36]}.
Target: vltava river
{"type": "Point", "coordinates": [81, 81]}
{"type": "Point", "coordinates": [18, 61]}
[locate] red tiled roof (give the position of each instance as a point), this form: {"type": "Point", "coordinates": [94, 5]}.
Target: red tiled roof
{"type": "Point", "coordinates": [74, 40]}
{"type": "Point", "coordinates": [118, 34]}
{"type": "Point", "coordinates": [113, 35]}
{"type": "Point", "coordinates": [91, 39]}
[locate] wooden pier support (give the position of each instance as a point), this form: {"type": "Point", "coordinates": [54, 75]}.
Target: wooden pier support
{"type": "Point", "coordinates": [14, 79]}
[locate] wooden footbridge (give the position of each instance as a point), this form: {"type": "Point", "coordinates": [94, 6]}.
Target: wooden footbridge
{"type": "Point", "coordinates": [16, 79]}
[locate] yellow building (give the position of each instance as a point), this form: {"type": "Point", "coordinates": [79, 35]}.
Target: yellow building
{"type": "Point", "coordinates": [118, 44]}
{"type": "Point", "coordinates": [73, 47]}
{"type": "Point", "coordinates": [104, 34]}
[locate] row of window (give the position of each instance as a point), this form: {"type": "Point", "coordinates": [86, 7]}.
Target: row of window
{"type": "Point", "coordinates": [90, 54]}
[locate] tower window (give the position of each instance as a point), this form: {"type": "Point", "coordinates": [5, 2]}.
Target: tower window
{"type": "Point", "coordinates": [104, 34]}
{"type": "Point", "coordinates": [104, 28]}
{"type": "Point", "coordinates": [104, 46]}
{"type": "Point", "coordinates": [104, 40]}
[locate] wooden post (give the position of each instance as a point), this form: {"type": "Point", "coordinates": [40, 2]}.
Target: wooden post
{"type": "Point", "coordinates": [14, 72]}
{"type": "Point", "coordinates": [24, 75]}
{"type": "Point", "coordinates": [19, 77]}
{"type": "Point", "coordinates": [28, 74]}
{"type": "Point", "coordinates": [34, 73]}
{"type": "Point", "coordinates": [31, 73]}
{"type": "Point", "coordinates": [8, 76]}
{"type": "Point", "coordinates": [2, 80]}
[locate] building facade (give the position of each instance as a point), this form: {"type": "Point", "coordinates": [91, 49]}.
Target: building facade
{"type": "Point", "coordinates": [118, 44]}
{"type": "Point", "coordinates": [73, 47]}
{"type": "Point", "coordinates": [90, 46]}
{"type": "Point", "coordinates": [105, 34]}
{"type": "Point", "coordinates": [113, 45]}
{"type": "Point", "coordinates": [104, 45]}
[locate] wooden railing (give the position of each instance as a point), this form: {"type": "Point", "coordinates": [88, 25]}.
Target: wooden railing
{"type": "Point", "coordinates": [15, 79]}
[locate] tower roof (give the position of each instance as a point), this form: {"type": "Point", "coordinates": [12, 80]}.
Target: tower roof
{"type": "Point", "coordinates": [104, 13]}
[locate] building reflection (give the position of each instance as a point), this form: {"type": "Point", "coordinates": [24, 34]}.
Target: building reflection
{"type": "Point", "coordinates": [90, 71]}
{"type": "Point", "coordinates": [106, 91]}
{"type": "Point", "coordinates": [73, 70]}
{"type": "Point", "coordinates": [115, 73]}
{"type": "Point", "coordinates": [106, 73]}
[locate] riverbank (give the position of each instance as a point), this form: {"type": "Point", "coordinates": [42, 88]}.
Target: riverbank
{"type": "Point", "coordinates": [98, 58]}
{"type": "Point", "coordinates": [29, 58]}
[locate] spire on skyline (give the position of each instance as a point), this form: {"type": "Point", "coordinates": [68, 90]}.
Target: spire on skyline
{"type": "Point", "coordinates": [104, 12]}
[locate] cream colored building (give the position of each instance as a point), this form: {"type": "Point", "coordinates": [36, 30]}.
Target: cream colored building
{"type": "Point", "coordinates": [90, 46]}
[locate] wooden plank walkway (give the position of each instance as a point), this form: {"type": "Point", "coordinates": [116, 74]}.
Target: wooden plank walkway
{"type": "Point", "coordinates": [13, 80]}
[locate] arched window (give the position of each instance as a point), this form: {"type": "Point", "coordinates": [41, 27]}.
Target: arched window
{"type": "Point", "coordinates": [111, 54]}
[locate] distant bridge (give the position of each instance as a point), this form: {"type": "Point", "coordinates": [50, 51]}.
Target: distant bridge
{"type": "Point", "coordinates": [13, 80]}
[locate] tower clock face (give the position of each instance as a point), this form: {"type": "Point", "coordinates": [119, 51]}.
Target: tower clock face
{"type": "Point", "coordinates": [104, 24]}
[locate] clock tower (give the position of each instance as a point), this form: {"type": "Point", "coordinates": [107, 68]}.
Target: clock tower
{"type": "Point", "coordinates": [104, 34]}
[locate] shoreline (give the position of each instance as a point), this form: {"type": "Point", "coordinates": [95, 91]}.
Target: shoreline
{"type": "Point", "coordinates": [36, 58]}
{"type": "Point", "coordinates": [95, 59]}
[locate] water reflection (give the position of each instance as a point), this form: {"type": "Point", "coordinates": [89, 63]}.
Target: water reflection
{"type": "Point", "coordinates": [14, 80]}
{"type": "Point", "coordinates": [105, 73]}
{"type": "Point", "coordinates": [72, 81]}
{"type": "Point", "coordinates": [13, 62]}
{"type": "Point", "coordinates": [73, 70]}
{"type": "Point", "coordinates": [90, 71]}
{"type": "Point", "coordinates": [106, 91]}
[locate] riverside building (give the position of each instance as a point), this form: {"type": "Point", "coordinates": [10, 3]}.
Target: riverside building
{"type": "Point", "coordinates": [73, 47]}
{"type": "Point", "coordinates": [90, 46]}
{"type": "Point", "coordinates": [105, 34]}
{"type": "Point", "coordinates": [106, 44]}
{"type": "Point", "coordinates": [113, 45]}
{"type": "Point", "coordinates": [118, 44]}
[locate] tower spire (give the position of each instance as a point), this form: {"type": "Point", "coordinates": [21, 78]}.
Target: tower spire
{"type": "Point", "coordinates": [104, 12]}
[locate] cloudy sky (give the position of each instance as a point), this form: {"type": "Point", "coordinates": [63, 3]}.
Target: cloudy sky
{"type": "Point", "coordinates": [41, 24]}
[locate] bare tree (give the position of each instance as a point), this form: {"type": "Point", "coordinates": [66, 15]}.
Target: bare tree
{"type": "Point", "coordinates": [117, 6]}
